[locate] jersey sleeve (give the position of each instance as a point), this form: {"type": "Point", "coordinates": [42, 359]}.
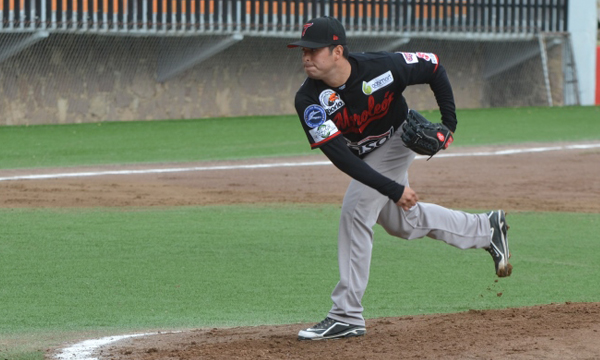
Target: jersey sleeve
{"type": "Point", "coordinates": [318, 127]}
{"type": "Point", "coordinates": [425, 68]}
{"type": "Point", "coordinates": [416, 67]}
{"type": "Point", "coordinates": [440, 85]}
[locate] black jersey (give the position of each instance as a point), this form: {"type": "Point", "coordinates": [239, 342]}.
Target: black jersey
{"type": "Point", "coordinates": [369, 107]}
{"type": "Point", "coordinates": [350, 121]}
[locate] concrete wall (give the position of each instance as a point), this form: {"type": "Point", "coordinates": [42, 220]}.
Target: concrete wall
{"type": "Point", "coordinates": [74, 78]}
{"type": "Point", "coordinates": [69, 78]}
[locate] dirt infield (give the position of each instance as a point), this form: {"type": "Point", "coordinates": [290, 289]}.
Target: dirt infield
{"type": "Point", "coordinates": [566, 331]}
{"type": "Point", "coordinates": [557, 180]}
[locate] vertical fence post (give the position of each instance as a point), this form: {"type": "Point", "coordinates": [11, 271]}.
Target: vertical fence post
{"type": "Point", "coordinates": [543, 54]}
{"type": "Point", "coordinates": [74, 14]}
{"type": "Point", "coordinates": [95, 14]}
{"type": "Point", "coordinates": [11, 14]}
{"type": "Point", "coordinates": [63, 14]}
{"type": "Point", "coordinates": [124, 16]}
{"type": "Point", "coordinates": [53, 9]}
{"type": "Point", "coordinates": [154, 14]}
{"type": "Point", "coordinates": [32, 15]}
{"type": "Point", "coordinates": [22, 14]}
{"type": "Point", "coordinates": [264, 9]}
{"type": "Point", "coordinates": [174, 15]}
{"type": "Point", "coordinates": [105, 15]}
{"type": "Point", "coordinates": [84, 15]}
{"type": "Point", "coordinates": [211, 8]}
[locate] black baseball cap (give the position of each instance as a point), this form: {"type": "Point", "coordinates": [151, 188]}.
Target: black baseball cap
{"type": "Point", "coordinates": [321, 32]}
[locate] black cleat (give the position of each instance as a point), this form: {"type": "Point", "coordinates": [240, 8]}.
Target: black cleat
{"type": "Point", "coordinates": [331, 329]}
{"type": "Point", "coordinates": [499, 244]}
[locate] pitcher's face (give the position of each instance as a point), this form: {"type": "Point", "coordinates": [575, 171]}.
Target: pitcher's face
{"type": "Point", "coordinates": [318, 63]}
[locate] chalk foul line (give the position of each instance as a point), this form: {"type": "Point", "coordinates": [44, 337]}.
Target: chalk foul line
{"type": "Point", "coordinates": [284, 164]}
{"type": "Point", "coordinates": [85, 349]}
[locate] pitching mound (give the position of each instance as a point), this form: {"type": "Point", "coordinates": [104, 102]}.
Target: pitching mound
{"type": "Point", "coordinates": [567, 331]}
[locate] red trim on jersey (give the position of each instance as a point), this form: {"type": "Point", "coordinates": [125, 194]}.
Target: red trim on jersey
{"type": "Point", "coordinates": [317, 144]}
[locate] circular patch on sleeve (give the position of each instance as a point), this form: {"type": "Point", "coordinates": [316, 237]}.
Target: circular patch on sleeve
{"type": "Point", "coordinates": [314, 115]}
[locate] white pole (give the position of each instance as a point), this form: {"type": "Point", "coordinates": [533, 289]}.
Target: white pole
{"type": "Point", "coordinates": [542, 44]}
{"type": "Point", "coordinates": [583, 26]}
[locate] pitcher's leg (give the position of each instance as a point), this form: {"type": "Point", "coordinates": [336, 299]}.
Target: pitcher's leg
{"type": "Point", "coordinates": [355, 242]}
{"type": "Point", "coordinates": [360, 211]}
{"type": "Point", "coordinates": [457, 228]}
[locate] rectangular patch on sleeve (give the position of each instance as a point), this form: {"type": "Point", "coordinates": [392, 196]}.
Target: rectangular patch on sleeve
{"type": "Point", "coordinates": [428, 57]}
{"type": "Point", "coordinates": [410, 58]}
{"type": "Point", "coordinates": [323, 132]}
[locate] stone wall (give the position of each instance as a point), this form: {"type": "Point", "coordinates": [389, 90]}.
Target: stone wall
{"type": "Point", "coordinates": [71, 78]}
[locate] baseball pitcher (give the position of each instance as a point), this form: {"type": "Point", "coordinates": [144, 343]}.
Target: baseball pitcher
{"type": "Point", "coordinates": [351, 107]}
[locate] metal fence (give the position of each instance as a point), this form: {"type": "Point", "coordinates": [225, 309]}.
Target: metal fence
{"type": "Point", "coordinates": [284, 17]}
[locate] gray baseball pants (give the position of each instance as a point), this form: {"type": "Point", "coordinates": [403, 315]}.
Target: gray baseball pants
{"type": "Point", "coordinates": [364, 206]}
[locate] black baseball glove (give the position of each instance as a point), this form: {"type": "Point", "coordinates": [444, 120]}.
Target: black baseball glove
{"type": "Point", "coordinates": [424, 137]}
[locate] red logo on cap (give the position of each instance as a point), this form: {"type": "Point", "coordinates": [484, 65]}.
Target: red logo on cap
{"type": "Point", "coordinates": [335, 37]}
{"type": "Point", "coordinates": [306, 26]}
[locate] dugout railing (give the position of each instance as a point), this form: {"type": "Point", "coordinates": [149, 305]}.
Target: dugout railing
{"type": "Point", "coordinates": [285, 17]}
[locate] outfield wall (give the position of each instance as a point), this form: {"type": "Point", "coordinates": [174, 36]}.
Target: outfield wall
{"type": "Point", "coordinates": [71, 78]}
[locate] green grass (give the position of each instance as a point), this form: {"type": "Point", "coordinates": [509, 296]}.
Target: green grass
{"type": "Point", "coordinates": [518, 125]}
{"type": "Point", "coordinates": [111, 268]}
{"type": "Point", "coordinates": [239, 138]}
{"type": "Point", "coordinates": [156, 141]}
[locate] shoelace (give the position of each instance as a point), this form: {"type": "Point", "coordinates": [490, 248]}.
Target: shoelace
{"type": "Point", "coordinates": [324, 324]}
